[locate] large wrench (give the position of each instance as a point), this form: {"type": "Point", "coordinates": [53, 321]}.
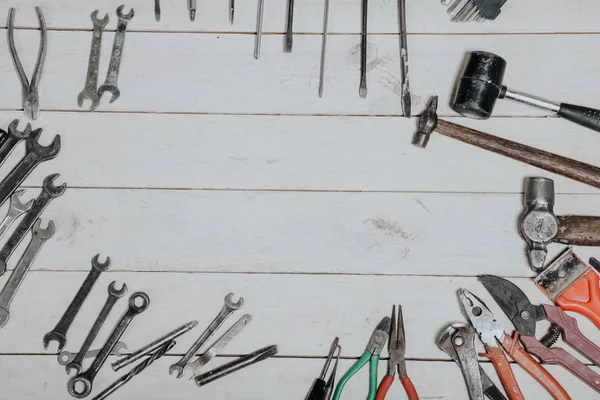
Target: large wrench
{"type": "Point", "coordinates": [49, 192]}
{"type": "Point", "coordinates": [59, 333]}
{"type": "Point", "coordinates": [12, 139]}
{"type": "Point", "coordinates": [114, 294]}
{"type": "Point", "coordinates": [16, 209]}
{"type": "Point", "coordinates": [38, 237]}
{"type": "Point", "coordinates": [90, 91]}
{"type": "Point", "coordinates": [228, 308]}
{"type": "Point", "coordinates": [112, 76]}
{"type": "Point", "coordinates": [35, 154]}
{"type": "Point", "coordinates": [65, 357]}
{"type": "Point", "coordinates": [80, 386]}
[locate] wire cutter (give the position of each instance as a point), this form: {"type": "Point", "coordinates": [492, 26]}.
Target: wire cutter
{"type": "Point", "coordinates": [525, 316]}
{"type": "Point", "coordinates": [371, 355]}
{"type": "Point", "coordinates": [397, 350]}
{"type": "Point", "coordinates": [495, 339]}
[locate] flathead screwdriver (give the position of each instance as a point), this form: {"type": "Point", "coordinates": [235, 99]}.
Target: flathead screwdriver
{"type": "Point", "coordinates": [323, 48]}
{"type": "Point", "coordinates": [231, 11]}
{"type": "Point", "coordinates": [362, 90]}
{"type": "Point", "coordinates": [289, 35]}
{"type": "Point", "coordinates": [259, 21]}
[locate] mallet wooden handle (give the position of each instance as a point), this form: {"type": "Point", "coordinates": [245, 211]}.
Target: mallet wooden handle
{"type": "Point", "coordinates": [578, 230]}
{"type": "Point", "coordinates": [564, 166]}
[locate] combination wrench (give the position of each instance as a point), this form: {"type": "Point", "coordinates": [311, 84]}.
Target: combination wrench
{"type": "Point", "coordinates": [35, 154]}
{"type": "Point", "coordinates": [49, 192]}
{"type": "Point", "coordinates": [12, 138]}
{"type": "Point", "coordinates": [114, 295]}
{"type": "Point", "coordinates": [65, 357]}
{"type": "Point", "coordinates": [38, 238]}
{"type": "Point", "coordinates": [80, 386]}
{"type": "Point", "coordinates": [90, 90]}
{"type": "Point", "coordinates": [16, 209]}
{"type": "Point", "coordinates": [228, 308]}
{"type": "Point", "coordinates": [59, 333]}
{"type": "Point", "coordinates": [112, 76]}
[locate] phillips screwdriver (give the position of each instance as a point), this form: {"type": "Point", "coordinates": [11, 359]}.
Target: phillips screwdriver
{"type": "Point", "coordinates": [231, 11]}
{"type": "Point", "coordinates": [321, 389]}
{"type": "Point", "coordinates": [192, 9]}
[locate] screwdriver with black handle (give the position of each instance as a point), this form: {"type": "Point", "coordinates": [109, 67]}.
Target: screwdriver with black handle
{"type": "Point", "coordinates": [322, 389]}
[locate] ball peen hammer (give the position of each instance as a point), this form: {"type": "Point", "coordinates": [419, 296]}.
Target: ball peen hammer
{"type": "Point", "coordinates": [539, 225]}
{"type": "Point", "coordinates": [576, 170]}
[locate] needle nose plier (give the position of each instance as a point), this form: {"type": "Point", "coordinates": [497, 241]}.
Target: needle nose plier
{"type": "Point", "coordinates": [371, 355]}
{"type": "Point", "coordinates": [397, 363]}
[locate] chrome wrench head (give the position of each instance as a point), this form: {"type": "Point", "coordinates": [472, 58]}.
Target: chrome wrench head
{"type": "Point", "coordinates": [97, 265]}
{"type": "Point", "coordinates": [89, 91]}
{"type": "Point", "coordinates": [52, 190]}
{"type": "Point", "coordinates": [122, 16]}
{"type": "Point", "coordinates": [65, 357]}
{"type": "Point", "coordinates": [43, 153]}
{"type": "Point", "coordinates": [14, 131]}
{"type": "Point", "coordinates": [17, 207]}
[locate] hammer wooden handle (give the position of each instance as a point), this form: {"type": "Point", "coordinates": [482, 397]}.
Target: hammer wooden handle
{"type": "Point", "coordinates": [564, 166]}
{"type": "Point", "coordinates": [578, 230]}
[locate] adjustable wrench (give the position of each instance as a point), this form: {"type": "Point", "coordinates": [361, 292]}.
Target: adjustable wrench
{"type": "Point", "coordinates": [228, 308]}
{"type": "Point", "coordinates": [49, 192]}
{"type": "Point", "coordinates": [112, 76]}
{"type": "Point", "coordinates": [114, 294]}
{"type": "Point", "coordinates": [12, 139]}
{"type": "Point", "coordinates": [65, 357]}
{"type": "Point", "coordinates": [59, 333]}
{"type": "Point", "coordinates": [80, 386]}
{"type": "Point", "coordinates": [38, 237]}
{"type": "Point", "coordinates": [90, 91]}
{"type": "Point", "coordinates": [34, 155]}
{"type": "Point", "coordinates": [15, 210]}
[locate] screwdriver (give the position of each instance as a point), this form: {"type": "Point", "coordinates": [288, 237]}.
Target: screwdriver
{"type": "Point", "coordinates": [192, 9]}
{"type": "Point", "coordinates": [289, 35]}
{"type": "Point", "coordinates": [321, 389]}
{"type": "Point", "coordinates": [231, 11]}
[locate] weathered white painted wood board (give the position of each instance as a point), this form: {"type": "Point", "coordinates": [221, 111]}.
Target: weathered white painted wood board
{"type": "Point", "coordinates": [216, 173]}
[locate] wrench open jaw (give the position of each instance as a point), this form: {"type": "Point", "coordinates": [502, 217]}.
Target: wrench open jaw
{"type": "Point", "coordinates": [12, 138]}
{"type": "Point", "coordinates": [89, 91]}
{"type": "Point", "coordinates": [17, 205]}
{"type": "Point", "coordinates": [65, 357]}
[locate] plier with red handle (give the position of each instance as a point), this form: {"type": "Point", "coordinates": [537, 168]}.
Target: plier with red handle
{"type": "Point", "coordinates": [397, 363]}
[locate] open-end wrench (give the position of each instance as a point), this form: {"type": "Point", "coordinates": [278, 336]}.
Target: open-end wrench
{"type": "Point", "coordinates": [11, 139]}
{"type": "Point", "coordinates": [35, 154]}
{"type": "Point", "coordinates": [59, 333]}
{"type": "Point", "coordinates": [196, 366]}
{"type": "Point", "coordinates": [38, 237]}
{"type": "Point", "coordinates": [80, 386]}
{"type": "Point", "coordinates": [112, 76]}
{"type": "Point", "coordinates": [49, 192]}
{"type": "Point", "coordinates": [90, 90]}
{"type": "Point", "coordinates": [228, 308]}
{"type": "Point", "coordinates": [65, 357]}
{"type": "Point", "coordinates": [16, 209]}
{"type": "Point", "coordinates": [114, 294]}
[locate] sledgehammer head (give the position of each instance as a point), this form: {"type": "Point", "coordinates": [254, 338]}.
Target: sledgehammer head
{"type": "Point", "coordinates": [479, 85]}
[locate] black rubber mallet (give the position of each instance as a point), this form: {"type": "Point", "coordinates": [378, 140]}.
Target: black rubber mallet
{"type": "Point", "coordinates": [481, 84]}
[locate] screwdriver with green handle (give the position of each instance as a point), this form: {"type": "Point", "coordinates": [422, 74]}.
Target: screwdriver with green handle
{"type": "Point", "coordinates": [371, 356]}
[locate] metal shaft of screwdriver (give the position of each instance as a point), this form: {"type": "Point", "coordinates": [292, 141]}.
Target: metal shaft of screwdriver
{"type": "Point", "coordinates": [192, 9]}
{"type": "Point", "coordinates": [259, 21]}
{"type": "Point", "coordinates": [406, 100]}
{"type": "Point", "coordinates": [157, 10]}
{"type": "Point", "coordinates": [323, 48]}
{"type": "Point", "coordinates": [289, 35]}
{"type": "Point", "coordinates": [362, 90]}
{"type": "Point", "coordinates": [231, 11]}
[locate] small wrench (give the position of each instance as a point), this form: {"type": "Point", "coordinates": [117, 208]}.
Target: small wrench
{"type": "Point", "coordinates": [228, 308]}
{"type": "Point", "coordinates": [12, 139]}
{"type": "Point", "coordinates": [65, 357]}
{"type": "Point", "coordinates": [80, 386]}
{"type": "Point", "coordinates": [114, 294]}
{"type": "Point", "coordinates": [59, 333]}
{"type": "Point", "coordinates": [112, 76]}
{"type": "Point", "coordinates": [15, 210]}
{"type": "Point", "coordinates": [49, 192]}
{"type": "Point", "coordinates": [90, 91]}
{"type": "Point", "coordinates": [38, 237]}
{"type": "Point", "coordinates": [34, 155]}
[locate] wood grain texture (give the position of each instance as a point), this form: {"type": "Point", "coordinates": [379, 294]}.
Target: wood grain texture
{"type": "Point", "coordinates": [578, 230]}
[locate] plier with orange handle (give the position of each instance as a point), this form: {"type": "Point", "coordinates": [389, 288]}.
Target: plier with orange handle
{"type": "Point", "coordinates": [397, 363]}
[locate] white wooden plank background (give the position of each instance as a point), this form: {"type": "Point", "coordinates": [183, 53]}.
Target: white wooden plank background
{"type": "Point", "coordinates": [216, 173]}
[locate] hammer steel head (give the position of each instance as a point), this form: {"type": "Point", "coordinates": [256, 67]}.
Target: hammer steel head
{"type": "Point", "coordinates": [479, 85]}
{"type": "Point", "coordinates": [427, 124]}
{"type": "Point", "coordinates": [538, 225]}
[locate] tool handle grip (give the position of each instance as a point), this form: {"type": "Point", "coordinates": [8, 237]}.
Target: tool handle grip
{"type": "Point", "coordinates": [373, 376]}
{"type": "Point", "coordinates": [384, 386]}
{"type": "Point", "coordinates": [533, 368]}
{"type": "Point", "coordinates": [577, 170]}
{"type": "Point", "coordinates": [317, 390]}
{"type": "Point", "coordinates": [571, 333]}
{"type": "Point", "coordinates": [578, 230]}
{"type": "Point", "coordinates": [350, 373]}
{"type": "Point", "coordinates": [584, 116]}
{"type": "Point", "coordinates": [411, 392]}
{"type": "Point", "coordinates": [583, 297]}
{"type": "Point", "coordinates": [505, 372]}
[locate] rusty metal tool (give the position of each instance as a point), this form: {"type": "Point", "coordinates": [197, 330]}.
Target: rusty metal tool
{"type": "Point", "coordinates": [406, 100]}
{"type": "Point", "coordinates": [576, 170]}
{"type": "Point", "coordinates": [572, 285]}
{"type": "Point", "coordinates": [495, 339]}
{"type": "Point", "coordinates": [322, 387]}
{"type": "Point", "coordinates": [525, 316]}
